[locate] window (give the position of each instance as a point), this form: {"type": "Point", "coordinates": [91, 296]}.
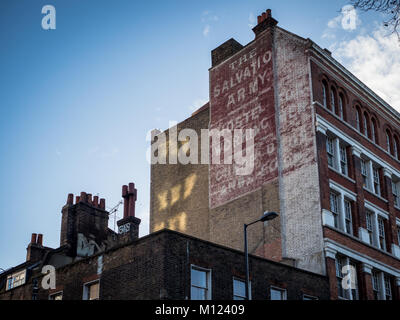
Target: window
{"type": "Point", "coordinates": [330, 150]}
{"type": "Point", "coordinates": [365, 124]}
{"type": "Point", "coordinates": [382, 238]}
{"type": "Point", "coordinates": [388, 287]}
{"type": "Point", "coordinates": [16, 279]}
{"type": "Point", "coordinates": [333, 100]}
{"type": "Point", "coordinates": [200, 284]}
{"type": "Point", "coordinates": [370, 226]}
{"type": "Point", "coordinates": [277, 294]}
{"type": "Point", "coordinates": [91, 291]}
{"type": "Point", "coordinates": [239, 289]}
{"type": "Point", "coordinates": [376, 285]}
{"type": "Point", "coordinates": [396, 195]}
{"type": "Point", "coordinates": [343, 160]}
{"type": "Point", "coordinates": [388, 142]}
{"type": "Point", "coordinates": [56, 296]}
{"type": "Point", "coordinates": [358, 119]}
{"type": "Point", "coordinates": [364, 173]}
{"type": "Point", "coordinates": [377, 184]}
{"type": "Point", "coordinates": [334, 199]}
{"type": "Point", "coordinates": [340, 263]}
{"type": "Point", "coordinates": [396, 148]}
{"type": "Point", "coordinates": [373, 130]}
{"type": "Point", "coordinates": [341, 104]}
{"type": "Point", "coordinates": [350, 292]}
{"type": "Point", "coordinates": [324, 94]}
{"type": "Point", "coordinates": [348, 216]}
{"type": "Point", "coordinates": [398, 234]}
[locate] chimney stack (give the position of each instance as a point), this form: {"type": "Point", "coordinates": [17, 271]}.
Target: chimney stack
{"type": "Point", "coordinates": [87, 216]}
{"type": "Point", "coordinates": [264, 22]}
{"type": "Point", "coordinates": [128, 226]}
{"type": "Point", "coordinates": [35, 250]}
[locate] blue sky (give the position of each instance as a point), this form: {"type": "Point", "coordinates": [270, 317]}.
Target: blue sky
{"type": "Point", "coordinates": [77, 102]}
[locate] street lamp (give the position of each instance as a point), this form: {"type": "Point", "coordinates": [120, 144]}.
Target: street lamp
{"type": "Point", "coordinates": [267, 216]}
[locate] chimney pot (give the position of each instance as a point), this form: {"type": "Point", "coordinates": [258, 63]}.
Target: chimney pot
{"type": "Point", "coordinates": [132, 200]}
{"type": "Point", "coordinates": [269, 14]}
{"type": "Point", "coordinates": [103, 204]}
{"type": "Point", "coordinates": [40, 239]}
{"type": "Point", "coordinates": [89, 198]}
{"type": "Point", "coordinates": [124, 191]}
{"type": "Point", "coordinates": [77, 199]}
{"type": "Point", "coordinates": [83, 197]}
{"type": "Point", "coordinates": [70, 199]}
{"type": "Point", "coordinates": [96, 201]}
{"type": "Point", "coordinates": [33, 238]}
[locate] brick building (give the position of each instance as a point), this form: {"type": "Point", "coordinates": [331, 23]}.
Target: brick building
{"type": "Point", "coordinates": [326, 158]}
{"type": "Point", "coordinates": [93, 262]}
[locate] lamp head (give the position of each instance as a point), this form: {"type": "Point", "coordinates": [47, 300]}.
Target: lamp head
{"type": "Point", "coordinates": [267, 216]}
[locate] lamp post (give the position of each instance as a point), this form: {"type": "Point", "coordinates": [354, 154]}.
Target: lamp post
{"type": "Point", "coordinates": [267, 216]}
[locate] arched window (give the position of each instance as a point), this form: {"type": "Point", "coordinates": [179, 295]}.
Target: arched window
{"type": "Point", "coordinates": [366, 125]}
{"type": "Point", "coordinates": [388, 141]}
{"type": "Point", "coordinates": [324, 94]}
{"type": "Point", "coordinates": [358, 119]}
{"type": "Point", "coordinates": [396, 147]}
{"type": "Point", "coordinates": [333, 100]}
{"type": "Point", "coordinates": [374, 130]}
{"type": "Point", "coordinates": [341, 106]}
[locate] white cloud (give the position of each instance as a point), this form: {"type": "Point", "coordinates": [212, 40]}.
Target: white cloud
{"type": "Point", "coordinates": [206, 30]}
{"type": "Point", "coordinates": [375, 60]}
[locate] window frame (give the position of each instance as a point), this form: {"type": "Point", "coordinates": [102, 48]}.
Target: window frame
{"type": "Point", "coordinates": [11, 281]}
{"type": "Point", "coordinates": [282, 291]}
{"type": "Point", "coordinates": [376, 180]}
{"type": "Point", "coordinates": [208, 281]}
{"type": "Point", "coordinates": [86, 290]}
{"type": "Point", "coordinates": [56, 294]}
{"type": "Point", "coordinates": [244, 296]}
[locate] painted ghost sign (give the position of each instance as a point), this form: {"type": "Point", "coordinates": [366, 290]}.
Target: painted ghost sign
{"type": "Point", "coordinates": [242, 97]}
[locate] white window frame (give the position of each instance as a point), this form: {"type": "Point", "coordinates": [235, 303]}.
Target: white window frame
{"type": "Point", "coordinates": [244, 281]}
{"type": "Point", "coordinates": [12, 283]}
{"type": "Point", "coordinates": [388, 287]}
{"type": "Point", "coordinates": [343, 160]}
{"type": "Point", "coordinates": [340, 262]}
{"type": "Point", "coordinates": [331, 152]}
{"type": "Point", "coordinates": [376, 181]}
{"type": "Point", "coordinates": [208, 280]}
{"type": "Point", "coordinates": [381, 232]}
{"type": "Point", "coordinates": [335, 207]}
{"type": "Point", "coordinates": [396, 193]}
{"type": "Point", "coordinates": [348, 216]}
{"type": "Point", "coordinates": [86, 289]}
{"type": "Point", "coordinates": [340, 106]}
{"type": "Point", "coordinates": [281, 290]}
{"type": "Point", "coordinates": [342, 196]}
{"type": "Point", "coordinates": [333, 101]}
{"type": "Point", "coordinates": [375, 213]}
{"type": "Point", "coordinates": [381, 282]}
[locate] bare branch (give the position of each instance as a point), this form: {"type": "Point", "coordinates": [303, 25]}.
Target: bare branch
{"type": "Point", "coordinates": [391, 8]}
